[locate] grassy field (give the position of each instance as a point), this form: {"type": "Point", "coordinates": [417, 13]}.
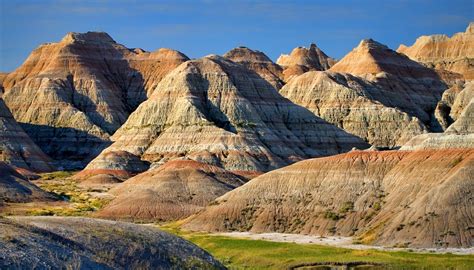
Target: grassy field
{"type": "Point", "coordinates": [238, 253]}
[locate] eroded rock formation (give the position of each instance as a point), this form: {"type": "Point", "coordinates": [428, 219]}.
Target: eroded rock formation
{"type": "Point", "coordinates": [16, 147]}
{"type": "Point", "coordinates": [72, 95]}
{"type": "Point", "coordinates": [302, 59]}
{"type": "Point", "coordinates": [215, 111]}
{"type": "Point", "coordinates": [454, 53]}
{"type": "Point", "coordinates": [85, 243]}
{"type": "Point", "coordinates": [393, 198]}
{"type": "Point", "coordinates": [173, 191]}
{"type": "Point", "coordinates": [258, 62]}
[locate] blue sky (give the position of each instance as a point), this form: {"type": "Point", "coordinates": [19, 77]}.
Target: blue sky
{"type": "Point", "coordinates": [198, 28]}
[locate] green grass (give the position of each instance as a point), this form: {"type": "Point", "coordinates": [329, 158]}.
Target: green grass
{"type": "Point", "coordinates": [237, 253]}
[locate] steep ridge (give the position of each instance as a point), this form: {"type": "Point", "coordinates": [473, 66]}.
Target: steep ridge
{"type": "Point", "coordinates": [454, 53]}
{"type": "Point", "coordinates": [173, 191]}
{"type": "Point", "coordinates": [453, 102]}
{"type": "Point", "coordinates": [258, 62]}
{"type": "Point", "coordinates": [373, 92]}
{"type": "Point", "coordinates": [85, 243]}
{"type": "Point", "coordinates": [215, 111]}
{"type": "Point", "coordinates": [15, 187]}
{"type": "Point", "coordinates": [302, 59]}
{"type": "Point", "coordinates": [357, 105]}
{"type": "Point", "coordinates": [16, 148]}
{"type": "Point", "coordinates": [72, 95]}
{"type": "Point", "coordinates": [394, 198]}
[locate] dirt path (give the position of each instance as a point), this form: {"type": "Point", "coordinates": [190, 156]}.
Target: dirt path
{"type": "Point", "coordinates": [337, 241]}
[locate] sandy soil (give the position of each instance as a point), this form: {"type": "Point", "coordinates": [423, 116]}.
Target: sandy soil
{"type": "Point", "coordinates": [337, 241]}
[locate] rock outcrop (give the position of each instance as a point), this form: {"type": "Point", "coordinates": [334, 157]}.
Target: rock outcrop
{"type": "Point", "coordinates": [173, 191]}
{"type": "Point", "coordinates": [392, 198]}
{"type": "Point", "coordinates": [218, 112]}
{"type": "Point", "coordinates": [355, 104]}
{"type": "Point", "coordinates": [16, 147]}
{"type": "Point", "coordinates": [15, 187]}
{"type": "Point", "coordinates": [72, 95]}
{"type": "Point", "coordinates": [84, 243]}
{"type": "Point", "coordinates": [258, 62]}
{"type": "Point", "coordinates": [454, 53]}
{"type": "Point", "coordinates": [302, 59]}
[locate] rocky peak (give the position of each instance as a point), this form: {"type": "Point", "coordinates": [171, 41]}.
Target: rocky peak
{"type": "Point", "coordinates": [98, 37]}
{"type": "Point", "coordinates": [370, 44]}
{"type": "Point", "coordinates": [470, 28]}
{"type": "Point", "coordinates": [244, 54]}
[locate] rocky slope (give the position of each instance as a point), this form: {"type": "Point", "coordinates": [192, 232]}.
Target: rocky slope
{"type": "Point", "coordinates": [16, 147]}
{"type": "Point", "coordinates": [72, 95]}
{"type": "Point", "coordinates": [215, 111]}
{"type": "Point", "coordinates": [258, 62]}
{"type": "Point", "coordinates": [355, 104]}
{"type": "Point", "coordinates": [302, 59]}
{"type": "Point", "coordinates": [15, 187]}
{"type": "Point", "coordinates": [395, 198]}
{"type": "Point", "coordinates": [454, 53]}
{"type": "Point", "coordinates": [83, 243]}
{"type": "Point", "coordinates": [173, 191]}
{"type": "Point", "coordinates": [373, 92]}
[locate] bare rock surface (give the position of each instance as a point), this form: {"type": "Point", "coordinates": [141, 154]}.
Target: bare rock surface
{"type": "Point", "coordinates": [454, 53]}
{"type": "Point", "coordinates": [355, 104]}
{"type": "Point", "coordinates": [393, 198]}
{"type": "Point", "coordinates": [72, 95]}
{"type": "Point", "coordinates": [215, 111]}
{"type": "Point", "coordinates": [84, 243]}
{"type": "Point", "coordinates": [302, 59]}
{"type": "Point", "coordinates": [15, 187]}
{"type": "Point", "coordinates": [258, 62]}
{"type": "Point", "coordinates": [173, 191]}
{"type": "Point", "coordinates": [16, 147]}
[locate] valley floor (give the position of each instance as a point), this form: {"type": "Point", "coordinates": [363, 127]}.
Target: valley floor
{"type": "Point", "coordinates": [275, 251]}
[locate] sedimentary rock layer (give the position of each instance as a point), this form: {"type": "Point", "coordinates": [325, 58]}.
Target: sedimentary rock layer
{"type": "Point", "coordinates": [395, 198]}
{"type": "Point", "coordinates": [16, 147]}
{"type": "Point", "coordinates": [72, 95]}
{"type": "Point", "coordinates": [15, 187]}
{"type": "Point", "coordinates": [173, 191]}
{"type": "Point", "coordinates": [84, 243]}
{"type": "Point", "coordinates": [258, 62]}
{"type": "Point", "coordinates": [215, 111]}
{"type": "Point", "coordinates": [454, 53]}
{"type": "Point", "coordinates": [355, 104]}
{"type": "Point", "coordinates": [302, 59]}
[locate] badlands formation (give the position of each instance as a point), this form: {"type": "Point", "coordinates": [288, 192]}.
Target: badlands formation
{"type": "Point", "coordinates": [84, 243]}
{"type": "Point", "coordinates": [239, 143]}
{"type": "Point", "coordinates": [72, 95]}
{"type": "Point", "coordinates": [454, 53]}
{"type": "Point", "coordinates": [215, 111]}
{"type": "Point", "coordinates": [302, 60]}
{"type": "Point", "coordinates": [374, 93]}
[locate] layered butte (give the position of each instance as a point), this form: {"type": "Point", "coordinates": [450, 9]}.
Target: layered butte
{"type": "Point", "coordinates": [173, 191]}
{"type": "Point", "coordinates": [454, 53]}
{"type": "Point", "coordinates": [302, 59]}
{"type": "Point", "coordinates": [72, 95]}
{"type": "Point", "coordinates": [260, 63]}
{"type": "Point", "coordinates": [373, 92]}
{"type": "Point", "coordinates": [218, 112]}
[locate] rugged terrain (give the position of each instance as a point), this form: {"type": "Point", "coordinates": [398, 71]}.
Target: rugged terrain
{"type": "Point", "coordinates": [72, 95]}
{"type": "Point", "coordinates": [16, 147]}
{"type": "Point", "coordinates": [454, 53]}
{"type": "Point", "coordinates": [373, 92]}
{"type": "Point", "coordinates": [218, 112]}
{"type": "Point", "coordinates": [302, 60]}
{"type": "Point", "coordinates": [173, 191]}
{"type": "Point", "coordinates": [419, 199]}
{"type": "Point", "coordinates": [82, 243]}
{"type": "Point", "coordinates": [258, 62]}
